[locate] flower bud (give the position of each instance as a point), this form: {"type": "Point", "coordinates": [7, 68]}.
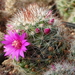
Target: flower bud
{"type": "Point", "coordinates": [51, 21]}
{"type": "Point", "coordinates": [47, 30]}
{"type": "Point", "coordinates": [37, 30]}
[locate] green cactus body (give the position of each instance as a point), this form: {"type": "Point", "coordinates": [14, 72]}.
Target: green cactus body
{"type": "Point", "coordinates": [45, 48]}
{"type": "Point", "coordinates": [65, 7]}
{"type": "Point", "coordinates": [46, 44]}
{"type": "Point", "coordinates": [72, 17]}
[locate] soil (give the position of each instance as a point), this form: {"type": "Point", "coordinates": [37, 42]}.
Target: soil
{"type": "Point", "coordinates": [6, 70]}
{"type": "Point", "coordinates": [8, 67]}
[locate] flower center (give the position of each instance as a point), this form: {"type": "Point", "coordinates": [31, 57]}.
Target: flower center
{"type": "Point", "coordinates": [17, 44]}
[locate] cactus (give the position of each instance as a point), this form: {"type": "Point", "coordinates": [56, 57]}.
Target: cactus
{"type": "Point", "coordinates": [72, 17]}
{"type": "Point", "coordinates": [61, 68]}
{"type": "Point", "coordinates": [43, 32]}
{"type": "Point", "coordinates": [65, 7]}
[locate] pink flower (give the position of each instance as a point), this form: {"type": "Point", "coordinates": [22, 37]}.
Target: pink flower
{"type": "Point", "coordinates": [15, 45]}
{"type": "Point", "coordinates": [53, 67]}
{"type": "Point", "coordinates": [47, 30]}
{"type": "Point", "coordinates": [37, 30]}
{"type": "Point", "coordinates": [48, 14]}
{"type": "Point", "coordinates": [51, 21]}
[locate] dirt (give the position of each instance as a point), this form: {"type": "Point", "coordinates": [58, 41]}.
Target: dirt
{"type": "Point", "coordinates": [6, 70]}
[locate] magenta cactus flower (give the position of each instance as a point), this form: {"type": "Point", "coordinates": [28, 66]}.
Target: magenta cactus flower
{"type": "Point", "coordinates": [15, 45]}
{"type": "Point", "coordinates": [51, 21]}
{"type": "Point", "coordinates": [37, 30]}
{"type": "Point", "coordinates": [47, 30]}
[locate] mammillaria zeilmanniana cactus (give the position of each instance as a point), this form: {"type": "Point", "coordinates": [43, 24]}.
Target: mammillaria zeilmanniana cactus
{"type": "Point", "coordinates": [43, 32]}
{"type": "Point", "coordinates": [66, 8]}
{"type": "Point", "coordinates": [61, 68]}
{"type": "Point", "coordinates": [72, 17]}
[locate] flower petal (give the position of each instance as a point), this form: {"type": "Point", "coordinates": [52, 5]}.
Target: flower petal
{"type": "Point", "coordinates": [8, 52]}
{"type": "Point", "coordinates": [9, 46]}
{"type": "Point", "coordinates": [23, 36]}
{"type": "Point", "coordinates": [23, 48]}
{"type": "Point", "coordinates": [17, 36]}
{"type": "Point", "coordinates": [21, 53]}
{"type": "Point", "coordinates": [26, 44]}
{"type": "Point", "coordinates": [17, 54]}
{"type": "Point", "coordinates": [8, 38]}
{"type": "Point", "coordinates": [6, 42]}
{"type": "Point", "coordinates": [23, 41]}
{"type": "Point", "coordinates": [13, 54]}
